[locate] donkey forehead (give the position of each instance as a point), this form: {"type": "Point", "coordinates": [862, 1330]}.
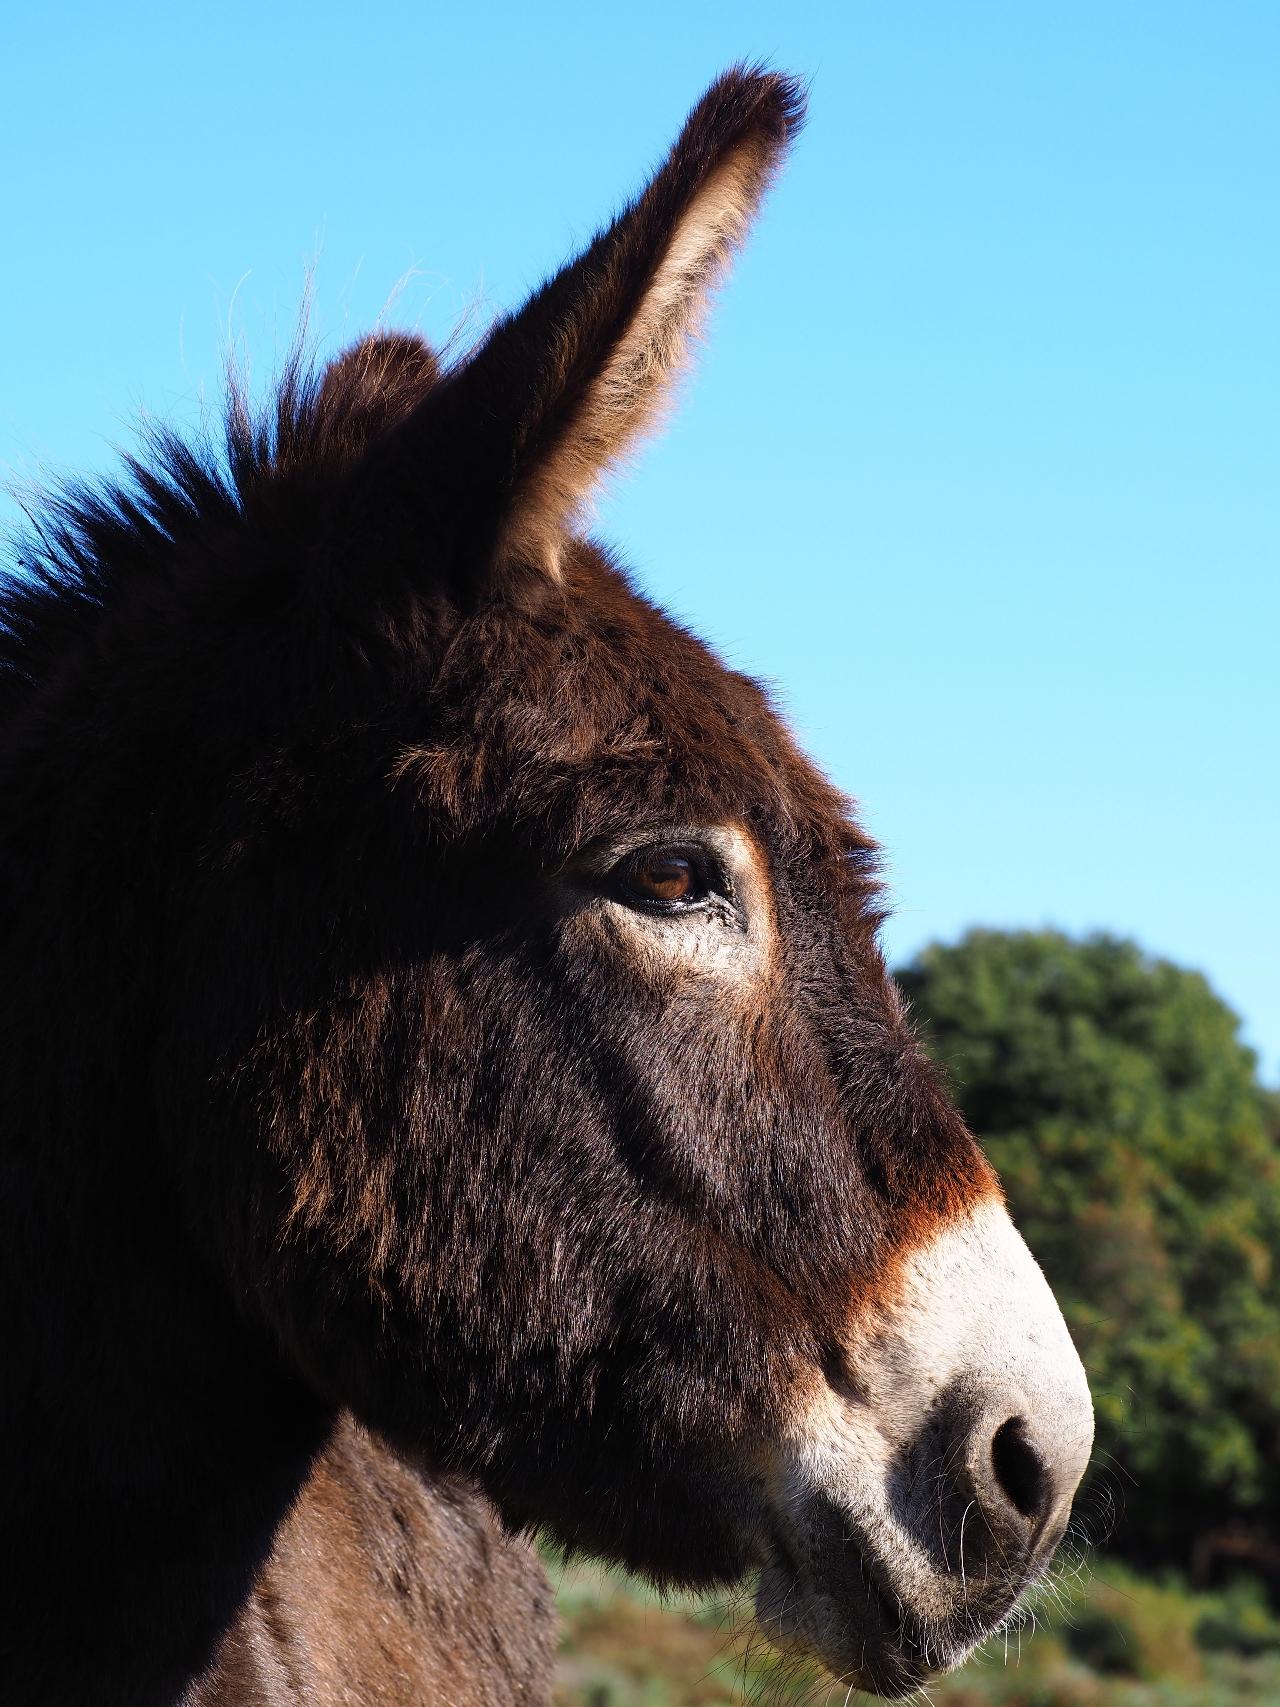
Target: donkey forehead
{"type": "Point", "coordinates": [597, 710]}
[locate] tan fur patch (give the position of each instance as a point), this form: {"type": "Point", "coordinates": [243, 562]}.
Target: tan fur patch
{"type": "Point", "coordinates": [737, 953]}
{"type": "Point", "coordinates": [628, 395]}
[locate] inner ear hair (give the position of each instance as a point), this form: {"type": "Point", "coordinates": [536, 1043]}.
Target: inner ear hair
{"type": "Point", "coordinates": [634, 373]}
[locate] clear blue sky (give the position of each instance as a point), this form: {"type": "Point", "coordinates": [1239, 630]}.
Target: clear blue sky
{"type": "Point", "coordinates": [980, 464]}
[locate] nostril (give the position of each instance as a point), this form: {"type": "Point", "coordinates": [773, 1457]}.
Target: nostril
{"type": "Point", "coordinates": [1020, 1471]}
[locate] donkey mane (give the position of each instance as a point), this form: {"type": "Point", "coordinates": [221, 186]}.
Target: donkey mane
{"type": "Point", "coordinates": [91, 545]}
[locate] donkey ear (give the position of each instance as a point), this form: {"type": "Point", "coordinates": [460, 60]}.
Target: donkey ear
{"type": "Point", "coordinates": [509, 447]}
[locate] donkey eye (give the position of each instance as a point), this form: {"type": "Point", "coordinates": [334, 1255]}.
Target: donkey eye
{"type": "Point", "coordinates": [666, 879]}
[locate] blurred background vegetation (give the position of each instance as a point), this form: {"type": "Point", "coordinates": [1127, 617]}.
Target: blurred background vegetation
{"type": "Point", "coordinates": [1141, 1156]}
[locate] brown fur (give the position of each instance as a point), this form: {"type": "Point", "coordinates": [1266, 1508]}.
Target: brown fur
{"type": "Point", "coordinates": [325, 1088]}
{"type": "Point", "coordinates": [464, 1614]}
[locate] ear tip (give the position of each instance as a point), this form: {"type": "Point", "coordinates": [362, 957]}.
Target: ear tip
{"type": "Point", "coordinates": [783, 96]}
{"type": "Point", "coordinates": [755, 98]}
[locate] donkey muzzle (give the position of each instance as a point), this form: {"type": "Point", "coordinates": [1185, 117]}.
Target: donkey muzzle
{"type": "Point", "coordinates": [928, 1488]}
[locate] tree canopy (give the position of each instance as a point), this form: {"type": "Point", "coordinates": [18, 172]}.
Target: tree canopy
{"type": "Point", "coordinates": [1141, 1157]}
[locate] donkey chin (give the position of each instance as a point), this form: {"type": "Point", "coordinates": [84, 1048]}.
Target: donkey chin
{"type": "Point", "coordinates": [930, 1482]}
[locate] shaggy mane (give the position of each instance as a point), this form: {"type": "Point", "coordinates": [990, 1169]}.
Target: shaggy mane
{"type": "Point", "coordinates": [86, 542]}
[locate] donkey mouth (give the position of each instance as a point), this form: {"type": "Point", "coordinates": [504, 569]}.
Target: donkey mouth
{"type": "Point", "coordinates": [840, 1612]}
{"type": "Point", "coordinates": [868, 1643]}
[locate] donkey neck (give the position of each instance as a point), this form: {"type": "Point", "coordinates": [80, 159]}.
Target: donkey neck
{"type": "Point", "coordinates": [154, 1441]}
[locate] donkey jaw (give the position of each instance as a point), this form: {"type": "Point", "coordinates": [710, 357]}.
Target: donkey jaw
{"type": "Point", "coordinates": [925, 1493]}
{"type": "Point", "coordinates": [869, 1639]}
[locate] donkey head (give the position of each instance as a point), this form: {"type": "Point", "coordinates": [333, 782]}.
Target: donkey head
{"type": "Point", "coordinates": [540, 1081]}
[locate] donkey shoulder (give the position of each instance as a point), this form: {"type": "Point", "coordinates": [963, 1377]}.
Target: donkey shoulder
{"type": "Point", "coordinates": [385, 1587]}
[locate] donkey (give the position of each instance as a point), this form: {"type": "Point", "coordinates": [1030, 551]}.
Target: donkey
{"type": "Point", "coordinates": [452, 1087]}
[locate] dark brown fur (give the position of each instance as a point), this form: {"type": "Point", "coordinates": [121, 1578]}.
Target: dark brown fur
{"type": "Point", "coordinates": [322, 1091]}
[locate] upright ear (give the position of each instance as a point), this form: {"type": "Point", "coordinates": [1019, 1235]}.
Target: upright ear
{"type": "Point", "coordinates": [497, 463]}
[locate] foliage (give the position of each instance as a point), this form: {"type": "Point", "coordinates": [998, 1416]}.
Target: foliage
{"type": "Point", "coordinates": [1142, 1161]}
{"type": "Point", "coordinates": [625, 1645]}
{"type": "Point", "coordinates": [1127, 1627]}
{"type": "Point", "coordinates": [1240, 1620]}
{"type": "Point", "coordinates": [1117, 1640]}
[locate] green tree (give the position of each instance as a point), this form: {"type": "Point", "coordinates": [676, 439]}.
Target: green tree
{"type": "Point", "coordinates": [1141, 1157]}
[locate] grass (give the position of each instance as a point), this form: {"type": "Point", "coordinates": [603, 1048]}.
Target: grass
{"type": "Point", "coordinates": [1116, 1640]}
